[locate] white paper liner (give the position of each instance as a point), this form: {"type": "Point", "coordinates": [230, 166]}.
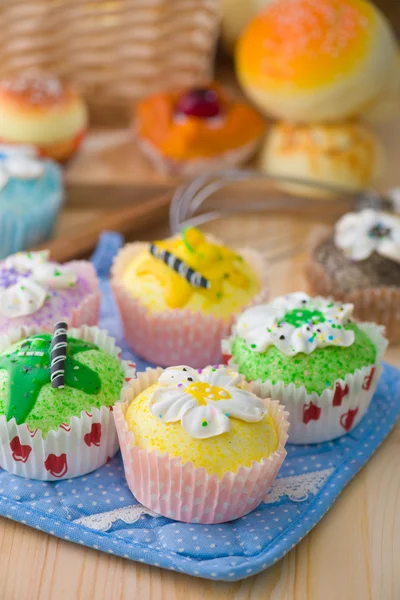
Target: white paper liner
{"type": "Point", "coordinates": [177, 336]}
{"type": "Point", "coordinates": [192, 167]}
{"type": "Point", "coordinates": [183, 492]}
{"type": "Point", "coordinates": [75, 448]}
{"type": "Point", "coordinates": [319, 418]}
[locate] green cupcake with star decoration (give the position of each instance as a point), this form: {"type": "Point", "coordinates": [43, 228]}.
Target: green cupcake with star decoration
{"type": "Point", "coordinates": [60, 388]}
{"type": "Point", "coordinates": [309, 354]}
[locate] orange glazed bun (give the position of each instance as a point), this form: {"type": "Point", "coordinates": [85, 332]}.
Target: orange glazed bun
{"type": "Point", "coordinates": [316, 60]}
{"type": "Point", "coordinates": [198, 129]}
{"type": "Point", "coordinates": [41, 111]}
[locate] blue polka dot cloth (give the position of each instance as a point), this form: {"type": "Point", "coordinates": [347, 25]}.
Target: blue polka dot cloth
{"type": "Point", "coordinates": [99, 511]}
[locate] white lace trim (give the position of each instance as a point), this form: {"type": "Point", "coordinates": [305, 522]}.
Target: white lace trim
{"type": "Point", "coordinates": [104, 521]}
{"type": "Point", "coordinates": [298, 487]}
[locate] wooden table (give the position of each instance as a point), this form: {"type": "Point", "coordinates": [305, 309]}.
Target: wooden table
{"type": "Point", "coordinates": [352, 554]}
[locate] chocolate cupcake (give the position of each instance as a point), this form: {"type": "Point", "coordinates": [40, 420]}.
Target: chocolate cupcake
{"type": "Point", "coordinates": [359, 263]}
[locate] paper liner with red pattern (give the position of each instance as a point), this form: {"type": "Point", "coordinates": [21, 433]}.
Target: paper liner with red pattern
{"type": "Point", "coordinates": [380, 304]}
{"type": "Point", "coordinates": [177, 336]}
{"type": "Point", "coordinates": [185, 493]}
{"type": "Point", "coordinates": [319, 418]}
{"type": "Point", "coordinates": [75, 448]}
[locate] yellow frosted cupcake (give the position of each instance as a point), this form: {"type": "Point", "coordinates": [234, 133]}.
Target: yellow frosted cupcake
{"type": "Point", "coordinates": [202, 432]}
{"type": "Point", "coordinates": [177, 296]}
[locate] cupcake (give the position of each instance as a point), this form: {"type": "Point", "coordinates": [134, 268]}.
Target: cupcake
{"type": "Point", "coordinates": [31, 195]}
{"type": "Point", "coordinates": [359, 262]}
{"type": "Point", "coordinates": [320, 60]}
{"type": "Point", "coordinates": [40, 110]}
{"type": "Point", "coordinates": [35, 292]}
{"type": "Point", "coordinates": [309, 354]}
{"type": "Point", "coordinates": [343, 155]}
{"type": "Point", "coordinates": [178, 298]}
{"type": "Point", "coordinates": [56, 396]}
{"type": "Point", "coordinates": [198, 445]}
{"type": "Point", "coordinates": [197, 130]}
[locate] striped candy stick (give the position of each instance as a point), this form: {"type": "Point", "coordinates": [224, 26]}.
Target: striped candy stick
{"type": "Point", "coordinates": [179, 266]}
{"type": "Point", "coordinates": [59, 345]}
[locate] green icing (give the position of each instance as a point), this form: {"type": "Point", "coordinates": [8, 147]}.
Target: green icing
{"type": "Point", "coordinates": [316, 371]}
{"type": "Point", "coordinates": [92, 379]}
{"type": "Point", "coordinates": [300, 316]}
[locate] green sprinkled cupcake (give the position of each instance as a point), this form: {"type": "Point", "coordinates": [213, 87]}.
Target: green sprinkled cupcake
{"type": "Point", "coordinates": [56, 397]}
{"type": "Point", "coordinates": [307, 353]}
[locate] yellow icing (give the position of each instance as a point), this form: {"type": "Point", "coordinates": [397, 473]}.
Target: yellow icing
{"type": "Point", "coordinates": [233, 282]}
{"type": "Point", "coordinates": [240, 446]}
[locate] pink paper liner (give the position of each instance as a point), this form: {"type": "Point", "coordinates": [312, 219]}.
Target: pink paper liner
{"type": "Point", "coordinates": [88, 311]}
{"type": "Point", "coordinates": [175, 336]}
{"type": "Point", "coordinates": [75, 448]}
{"type": "Point", "coordinates": [185, 493]}
{"type": "Point", "coordinates": [380, 304]}
{"type": "Point", "coordinates": [316, 418]}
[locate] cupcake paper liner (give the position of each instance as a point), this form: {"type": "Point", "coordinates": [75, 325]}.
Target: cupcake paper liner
{"type": "Point", "coordinates": [318, 418]}
{"type": "Point", "coordinates": [174, 337]}
{"type": "Point", "coordinates": [191, 167]}
{"type": "Point", "coordinates": [88, 311]}
{"type": "Point", "coordinates": [185, 493]}
{"type": "Point", "coordinates": [380, 304]}
{"type": "Point", "coordinates": [75, 448]}
{"type": "Point", "coordinates": [27, 228]}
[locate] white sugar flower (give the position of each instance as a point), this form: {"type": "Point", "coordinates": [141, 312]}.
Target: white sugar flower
{"type": "Point", "coordinates": [362, 233]}
{"type": "Point", "coordinates": [20, 162]}
{"type": "Point", "coordinates": [296, 323]}
{"type": "Point", "coordinates": [25, 279]}
{"type": "Point", "coordinates": [203, 400]}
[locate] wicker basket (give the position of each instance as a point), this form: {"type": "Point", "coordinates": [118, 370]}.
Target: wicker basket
{"type": "Point", "coordinates": [115, 51]}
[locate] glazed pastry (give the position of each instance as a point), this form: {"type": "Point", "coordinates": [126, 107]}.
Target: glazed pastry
{"type": "Point", "coordinates": [346, 155]}
{"type": "Point", "coordinates": [359, 262]}
{"type": "Point", "coordinates": [37, 292]}
{"type": "Point", "coordinates": [31, 196]}
{"type": "Point", "coordinates": [56, 395]}
{"type": "Point", "coordinates": [178, 297]}
{"type": "Point", "coordinates": [310, 355]}
{"type": "Point", "coordinates": [205, 429]}
{"type": "Point", "coordinates": [197, 130]}
{"type": "Point", "coordinates": [316, 60]}
{"type": "Point", "coordinates": [40, 110]}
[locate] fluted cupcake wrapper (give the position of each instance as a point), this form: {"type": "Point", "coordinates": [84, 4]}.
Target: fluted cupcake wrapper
{"type": "Point", "coordinates": [323, 417]}
{"type": "Point", "coordinates": [192, 167]}
{"type": "Point", "coordinates": [174, 337]}
{"type": "Point", "coordinates": [75, 448]}
{"type": "Point", "coordinates": [379, 304]}
{"type": "Point", "coordinates": [88, 311]}
{"type": "Point", "coordinates": [186, 493]}
{"type": "Point", "coordinates": [19, 231]}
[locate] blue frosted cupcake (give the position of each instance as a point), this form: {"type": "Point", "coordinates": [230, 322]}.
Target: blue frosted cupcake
{"type": "Point", "coordinates": [31, 195]}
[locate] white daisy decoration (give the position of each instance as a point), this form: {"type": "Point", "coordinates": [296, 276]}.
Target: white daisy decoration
{"type": "Point", "coordinates": [19, 162]}
{"type": "Point", "coordinates": [296, 323]}
{"type": "Point", "coordinates": [25, 279]}
{"type": "Point", "coordinates": [204, 400]}
{"type": "Point", "coordinates": [360, 234]}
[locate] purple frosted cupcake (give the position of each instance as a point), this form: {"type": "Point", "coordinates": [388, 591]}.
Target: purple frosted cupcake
{"type": "Point", "coordinates": [37, 292]}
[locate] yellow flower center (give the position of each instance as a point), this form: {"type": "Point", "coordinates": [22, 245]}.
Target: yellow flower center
{"type": "Point", "coordinates": [204, 391]}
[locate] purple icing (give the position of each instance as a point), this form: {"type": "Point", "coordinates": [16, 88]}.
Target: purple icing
{"type": "Point", "coordinates": [10, 275]}
{"type": "Point", "coordinates": [59, 304]}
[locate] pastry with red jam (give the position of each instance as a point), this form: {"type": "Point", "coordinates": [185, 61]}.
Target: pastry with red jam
{"type": "Point", "coordinates": [197, 130]}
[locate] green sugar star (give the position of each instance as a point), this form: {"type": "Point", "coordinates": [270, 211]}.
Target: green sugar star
{"type": "Point", "coordinates": [29, 368]}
